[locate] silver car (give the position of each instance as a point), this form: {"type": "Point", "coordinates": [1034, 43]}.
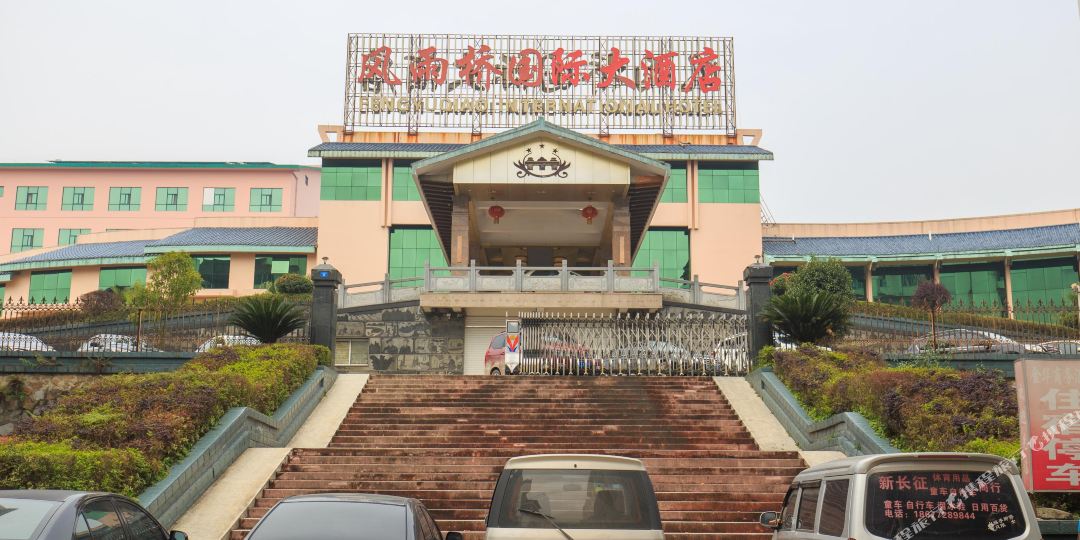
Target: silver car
{"type": "Point", "coordinates": [11, 341]}
{"type": "Point", "coordinates": [227, 340]}
{"type": "Point", "coordinates": [115, 343]}
{"type": "Point", "coordinates": [966, 340]}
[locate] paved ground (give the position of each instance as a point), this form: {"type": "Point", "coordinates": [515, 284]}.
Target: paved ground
{"type": "Point", "coordinates": [215, 513]}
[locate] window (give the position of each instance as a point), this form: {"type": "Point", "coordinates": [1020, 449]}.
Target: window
{"type": "Point", "coordinates": [727, 183]}
{"type": "Point", "coordinates": [299, 519]}
{"type": "Point", "coordinates": [498, 342]}
{"type": "Point", "coordinates": [808, 503]}
{"type": "Point", "coordinates": [787, 514]}
{"type": "Point", "coordinates": [580, 499]}
{"type": "Point", "coordinates": [270, 267]}
{"type": "Point", "coordinates": [897, 284]}
{"type": "Point", "coordinates": [124, 199]}
{"type": "Point", "coordinates": [404, 186]}
{"type": "Point", "coordinates": [121, 277]}
{"type": "Point", "coordinates": [675, 191]}
{"type": "Point", "coordinates": [410, 247]}
{"type": "Point", "coordinates": [31, 197]}
{"type": "Point", "coordinates": [50, 287]}
{"type": "Point", "coordinates": [78, 198]}
{"type": "Point", "coordinates": [214, 271]}
{"type": "Point", "coordinates": [103, 520]}
{"type": "Point", "coordinates": [69, 236]}
{"type": "Point", "coordinates": [834, 507]}
{"type": "Point", "coordinates": [352, 183]}
{"type": "Point", "coordinates": [975, 285]}
{"type": "Point", "coordinates": [171, 199]}
{"type": "Point", "coordinates": [24, 239]}
{"type": "Point", "coordinates": [352, 352]}
{"type": "Point", "coordinates": [858, 281]}
{"type": "Point", "coordinates": [219, 199]}
{"type": "Point", "coordinates": [1, 191]}
{"type": "Point", "coordinates": [1042, 282]}
{"type": "Point", "coordinates": [265, 200]}
{"type": "Point", "coordinates": [139, 523]}
{"type": "Point", "coordinates": [669, 248]}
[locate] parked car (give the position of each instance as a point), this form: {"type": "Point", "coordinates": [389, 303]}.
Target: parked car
{"type": "Point", "coordinates": [1064, 346]}
{"type": "Point", "coordinates": [574, 496]}
{"type": "Point", "coordinates": [349, 515]}
{"type": "Point", "coordinates": [966, 340]}
{"type": "Point", "coordinates": [11, 341]}
{"type": "Point", "coordinates": [732, 354]}
{"type": "Point", "coordinates": [227, 340]}
{"type": "Point", "coordinates": [78, 515]}
{"type": "Point", "coordinates": [115, 343]}
{"type": "Point", "coordinates": [550, 346]}
{"type": "Point", "coordinates": [881, 496]}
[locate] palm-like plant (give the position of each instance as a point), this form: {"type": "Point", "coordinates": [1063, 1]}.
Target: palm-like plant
{"type": "Point", "coordinates": [267, 317]}
{"type": "Point", "coordinates": [807, 317]}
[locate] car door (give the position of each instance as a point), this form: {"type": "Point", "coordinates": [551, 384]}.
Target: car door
{"type": "Point", "coordinates": [140, 525]}
{"type": "Point", "coordinates": [807, 514]}
{"type": "Point", "coordinates": [832, 520]}
{"type": "Point", "coordinates": [99, 520]}
{"type": "Point", "coordinates": [787, 514]}
{"type": "Point", "coordinates": [428, 527]}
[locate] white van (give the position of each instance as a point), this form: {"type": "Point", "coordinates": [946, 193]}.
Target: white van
{"type": "Point", "coordinates": [584, 497]}
{"type": "Point", "coordinates": [886, 495]}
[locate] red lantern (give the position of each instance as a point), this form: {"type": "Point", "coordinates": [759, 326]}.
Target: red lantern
{"type": "Point", "coordinates": [589, 212]}
{"type": "Point", "coordinates": [496, 212]}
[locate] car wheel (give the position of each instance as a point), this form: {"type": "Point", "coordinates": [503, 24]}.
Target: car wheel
{"type": "Point", "coordinates": [495, 371]}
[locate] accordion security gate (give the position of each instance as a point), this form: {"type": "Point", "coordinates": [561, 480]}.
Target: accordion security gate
{"type": "Point", "coordinates": [674, 344]}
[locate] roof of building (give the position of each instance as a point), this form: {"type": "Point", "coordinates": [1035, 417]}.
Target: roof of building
{"type": "Point", "coordinates": [730, 152]}
{"type": "Point", "coordinates": [241, 236]}
{"type": "Point", "coordinates": [129, 248]}
{"type": "Point", "coordinates": [61, 164]}
{"type": "Point", "coordinates": [1032, 238]}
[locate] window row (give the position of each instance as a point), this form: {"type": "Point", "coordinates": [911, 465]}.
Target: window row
{"type": "Point", "coordinates": [167, 199]}
{"type": "Point", "coordinates": [364, 182]}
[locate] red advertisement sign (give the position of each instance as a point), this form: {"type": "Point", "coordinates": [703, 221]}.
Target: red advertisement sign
{"type": "Point", "coordinates": [1048, 394]}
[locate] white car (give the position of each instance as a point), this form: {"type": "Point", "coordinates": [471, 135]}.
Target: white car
{"type": "Point", "coordinates": [966, 340]}
{"type": "Point", "coordinates": [227, 340]}
{"type": "Point", "coordinates": [10, 341]}
{"type": "Point", "coordinates": [114, 343]}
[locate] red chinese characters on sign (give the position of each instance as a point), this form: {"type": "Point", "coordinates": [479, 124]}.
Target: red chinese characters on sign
{"type": "Point", "coordinates": [658, 70]}
{"type": "Point", "coordinates": [1048, 394]}
{"type": "Point", "coordinates": [475, 67]}
{"type": "Point", "coordinates": [428, 67]}
{"type": "Point", "coordinates": [704, 73]}
{"type": "Point", "coordinates": [376, 64]}
{"type": "Point", "coordinates": [527, 69]}
{"type": "Point", "coordinates": [611, 71]}
{"type": "Point", "coordinates": [566, 70]}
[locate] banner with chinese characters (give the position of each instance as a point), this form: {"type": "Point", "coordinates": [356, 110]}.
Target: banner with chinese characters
{"type": "Point", "coordinates": [600, 83]}
{"type": "Point", "coordinates": [1048, 393]}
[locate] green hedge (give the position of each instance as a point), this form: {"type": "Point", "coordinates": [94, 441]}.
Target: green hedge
{"type": "Point", "coordinates": [133, 427]}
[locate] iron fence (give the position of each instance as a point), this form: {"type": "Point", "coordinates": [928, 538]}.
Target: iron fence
{"type": "Point", "coordinates": [959, 329]}
{"type": "Point", "coordinates": [85, 327]}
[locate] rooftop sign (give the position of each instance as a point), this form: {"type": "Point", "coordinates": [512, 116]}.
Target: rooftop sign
{"type": "Point", "coordinates": [599, 83]}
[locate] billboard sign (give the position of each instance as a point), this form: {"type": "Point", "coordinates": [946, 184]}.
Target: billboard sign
{"type": "Point", "coordinates": [1048, 395]}
{"type": "Point", "coordinates": [601, 83]}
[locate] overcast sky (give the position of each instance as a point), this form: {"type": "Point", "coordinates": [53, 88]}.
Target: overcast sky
{"type": "Point", "coordinates": [875, 110]}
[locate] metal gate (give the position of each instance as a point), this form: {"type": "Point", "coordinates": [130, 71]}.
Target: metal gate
{"type": "Point", "coordinates": [684, 343]}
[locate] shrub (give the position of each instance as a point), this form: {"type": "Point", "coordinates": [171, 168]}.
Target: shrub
{"type": "Point", "coordinates": [38, 465]}
{"type": "Point", "coordinates": [931, 297]}
{"type": "Point", "coordinates": [828, 276]}
{"type": "Point", "coordinates": [96, 303]}
{"type": "Point", "coordinates": [293, 284]}
{"type": "Point", "coordinates": [268, 317]}
{"type": "Point", "coordinates": [779, 284]}
{"type": "Point", "coordinates": [807, 317]}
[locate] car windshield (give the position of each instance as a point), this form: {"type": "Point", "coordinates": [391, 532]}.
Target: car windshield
{"type": "Point", "coordinates": [20, 518]}
{"type": "Point", "coordinates": [332, 520]}
{"type": "Point", "coordinates": [575, 499]}
{"type": "Point", "coordinates": [896, 500]}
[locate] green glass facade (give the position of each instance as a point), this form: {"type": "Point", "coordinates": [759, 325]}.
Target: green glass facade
{"type": "Point", "coordinates": [979, 285]}
{"type": "Point", "coordinates": [727, 183]}
{"type": "Point", "coordinates": [125, 199]}
{"type": "Point", "coordinates": [668, 248]}
{"type": "Point", "coordinates": [410, 247]}
{"type": "Point", "coordinates": [270, 267]}
{"type": "Point", "coordinates": [31, 197]}
{"type": "Point", "coordinates": [1043, 282]}
{"type": "Point", "coordinates": [171, 199]}
{"type": "Point", "coordinates": [361, 183]}
{"type": "Point", "coordinates": [675, 191]}
{"type": "Point", "coordinates": [265, 200]}
{"type": "Point", "coordinates": [121, 277]}
{"type": "Point", "coordinates": [404, 187]}
{"type": "Point", "coordinates": [77, 199]}
{"type": "Point", "coordinates": [896, 284]}
{"type": "Point", "coordinates": [52, 287]}
{"type": "Point", "coordinates": [858, 281]}
{"type": "Point", "coordinates": [214, 270]}
{"type": "Point", "coordinates": [69, 236]}
{"type": "Point", "coordinates": [24, 239]}
{"type": "Point", "coordinates": [219, 199]}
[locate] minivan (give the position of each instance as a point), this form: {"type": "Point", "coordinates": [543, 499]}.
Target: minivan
{"type": "Point", "coordinates": [884, 495]}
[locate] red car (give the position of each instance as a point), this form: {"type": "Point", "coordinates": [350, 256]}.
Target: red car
{"type": "Point", "coordinates": [558, 354]}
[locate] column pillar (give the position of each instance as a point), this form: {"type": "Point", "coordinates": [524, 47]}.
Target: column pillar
{"type": "Point", "coordinates": [758, 332]}
{"type": "Point", "coordinates": [1008, 289]}
{"type": "Point", "coordinates": [323, 330]}
{"type": "Point", "coordinates": [869, 284]}
{"type": "Point", "coordinates": [620, 234]}
{"type": "Point", "coordinates": [459, 232]}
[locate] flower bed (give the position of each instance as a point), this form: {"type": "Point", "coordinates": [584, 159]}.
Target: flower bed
{"type": "Point", "coordinates": [122, 432]}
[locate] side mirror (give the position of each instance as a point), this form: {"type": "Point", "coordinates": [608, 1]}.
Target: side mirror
{"type": "Point", "coordinates": [770, 520]}
{"type": "Point", "coordinates": [178, 535]}
{"type": "Point", "coordinates": [454, 536]}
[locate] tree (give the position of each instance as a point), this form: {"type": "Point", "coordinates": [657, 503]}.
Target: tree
{"type": "Point", "coordinates": [267, 317]}
{"type": "Point", "coordinates": [931, 297]}
{"type": "Point", "coordinates": [807, 317]}
{"type": "Point", "coordinates": [822, 276]}
{"type": "Point", "coordinates": [173, 279]}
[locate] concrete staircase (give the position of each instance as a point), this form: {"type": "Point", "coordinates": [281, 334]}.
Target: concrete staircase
{"type": "Point", "coordinates": [444, 440]}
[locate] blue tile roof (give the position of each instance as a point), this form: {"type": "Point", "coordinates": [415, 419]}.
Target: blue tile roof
{"type": "Point", "coordinates": [1014, 239]}
{"type": "Point", "coordinates": [241, 236]}
{"type": "Point", "coordinates": [130, 248]}
{"type": "Point", "coordinates": [724, 149]}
